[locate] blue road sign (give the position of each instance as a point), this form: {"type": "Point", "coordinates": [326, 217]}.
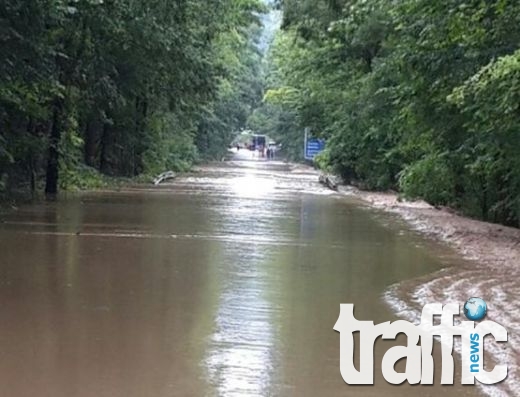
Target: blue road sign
{"type": "Point", "coordinates": [313, 147]}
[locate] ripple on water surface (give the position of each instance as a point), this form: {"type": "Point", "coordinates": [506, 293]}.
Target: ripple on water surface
{"type": "Point", "coordinates": [500, 288]}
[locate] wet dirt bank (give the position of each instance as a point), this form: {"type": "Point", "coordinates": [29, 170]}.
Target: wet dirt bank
{"type": "Point", "coordinates": [486, 243]}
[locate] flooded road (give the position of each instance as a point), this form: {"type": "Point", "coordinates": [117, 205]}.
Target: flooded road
{"type": "Point", "coordinates": [226, 282]}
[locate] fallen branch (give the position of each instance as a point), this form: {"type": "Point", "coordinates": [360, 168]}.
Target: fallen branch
{"type": "Point", "coordinates": [163, 177]}
{"type": "Point", "coordinates": [328, 181]}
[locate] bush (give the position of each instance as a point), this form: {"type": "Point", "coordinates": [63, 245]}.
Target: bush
{"type": "Point", "coordinates": [431, 178]}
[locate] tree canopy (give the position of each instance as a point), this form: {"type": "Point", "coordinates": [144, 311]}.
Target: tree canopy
{"type": "Point", "coordinates": [414, 95]}
{"type": "Point", "coordinates": [121, 87]}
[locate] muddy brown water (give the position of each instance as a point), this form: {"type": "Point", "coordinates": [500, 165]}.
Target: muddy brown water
{"type": "Point", "coordinates": [226, 282]}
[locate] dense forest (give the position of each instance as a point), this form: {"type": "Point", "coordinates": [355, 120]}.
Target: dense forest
{"type": "Point", "coordinates": [121, 87]}
{"type": "Point", "coordinates": [420, 96]}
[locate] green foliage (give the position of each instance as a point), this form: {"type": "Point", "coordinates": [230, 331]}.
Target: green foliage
{"type": "Point", "coordinates": [489, 101]}
{"type": "Point", "coordinates": [414, 95]}
{"type": "Point", "coordinates": [430, 178]}
{"type": "Point", "coordinates": [239, 90]}
{"type": "Point", "coordinates": [170, 147]}
{"type": "Point", "coordinates": [82, 177]}
{"type": "Point", "coordinates": [122, 87]}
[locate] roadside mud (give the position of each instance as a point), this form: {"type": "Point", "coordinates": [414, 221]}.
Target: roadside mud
{"type": "Point", "coordinates": [486, 243]}
{"type": "Point", "coordinates": [490, 270]}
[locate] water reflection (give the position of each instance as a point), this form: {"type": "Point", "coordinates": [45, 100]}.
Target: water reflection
{"type": "Point", "coordinates": [242, 350]}
{"type": "Point", "coordinates": [252, 186]}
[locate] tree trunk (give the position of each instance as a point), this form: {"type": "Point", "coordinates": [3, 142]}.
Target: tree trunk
{"type": "Point", "coordinates": [91, 142]}
{"type": "Point", "coordinates": [32, 174]}
{"type": "Point", "coordinates": [51, 182]}
{"type": "Point", "coordinates": [105, 164]}
{"type": "Point", "coordinates": [141, 107]}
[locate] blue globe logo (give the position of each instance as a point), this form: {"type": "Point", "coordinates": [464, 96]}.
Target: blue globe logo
{"type": "Point", "coordinates": [475, 309]}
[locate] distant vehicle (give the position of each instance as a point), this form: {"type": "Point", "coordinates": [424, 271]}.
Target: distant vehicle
{"type": "Point", "coordinates": [259, 141]}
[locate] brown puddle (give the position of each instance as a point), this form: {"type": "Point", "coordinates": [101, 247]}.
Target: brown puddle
{"type": "Point", "coordinates": [224, 283]}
